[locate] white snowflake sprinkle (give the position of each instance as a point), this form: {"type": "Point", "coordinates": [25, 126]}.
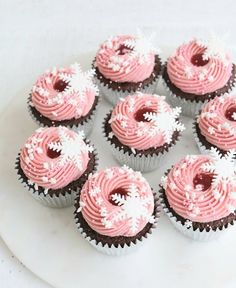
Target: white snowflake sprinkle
{"type": "Point", "coordinates": [188, 224]}
{"type": "Point", "coordinates": [70, 148]}
{"type": "Point", "coordinates": [164, 182]}
{"type": "Point", "coordinates": [79, 81]}
{"type": "Point", "coordinates": [164, 121]}
{"type": "Point", "coordinates": [109, 173]}
{"type": "Point", "coordinates": [214, 48]}
{"type": "Point", "coordinates": [141, 47]}
{"type": "Point", "coordinates": [45, 179]}
{"type": "Point", "coordinates": [188, 72]}
{"type": "Point", "coordinates": [222, 167]}
{"type": "Point", "coordinates": [133, 207]}
{"type": "Point", "coordinates": [211, 130]}
{"type": "Point", "coordinates": [95, 191]}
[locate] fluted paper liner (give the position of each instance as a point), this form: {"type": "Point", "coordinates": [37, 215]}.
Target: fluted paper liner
{"type": "Point", "coordinates": [127, 247]}
{"type": "Point", "coordinates": [86, 126]}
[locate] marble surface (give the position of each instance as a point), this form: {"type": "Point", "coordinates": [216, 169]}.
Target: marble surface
{"type": "Point", "coordinates": [37, 34]}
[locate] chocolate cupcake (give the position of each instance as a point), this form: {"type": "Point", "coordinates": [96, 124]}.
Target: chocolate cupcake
{"type": "Point", "coordinates": [141, 130]}
{"type": "Point", "coordinates": [65, 97]}
{"type": "Point", "coordinates": [198, 71]}
{"type": "Point", "coordinates": [198, 195]}
{"type": "Point", "coordinates": [116, 210]}
{"type": "Point", "coordinates": [126, 64]}
{"type": "Point", "coordinates": [215, 126]}
{"type": "Point", "coordinates": [54, 164]}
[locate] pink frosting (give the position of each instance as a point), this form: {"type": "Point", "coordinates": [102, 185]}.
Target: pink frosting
{"type": "Point", "coordinates": [74, 102]}
{"type": "Point", "coordinates": [215, 126]}
{"type": "Point", "coordinates": [117, 220]}
{"type": "Point", "coordinates": [198, 79]}
{"type": "Point", "coordinates": [194, 204]}
{"type": "Point", "coordinates": [54, 173]}
{"type": "Point", "coordinates": [134, 66]}
{"type": "Point", "coordinates": [142, 135]}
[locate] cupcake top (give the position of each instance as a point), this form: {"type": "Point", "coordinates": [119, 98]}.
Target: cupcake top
{"type": "Point", "coordinates": [217, 122]}
{"type": "Point", "coordinates": [200, 67]}
{"type": "Point", "coordinates": [202, 188]}
{"type": "Point", "coordinates": [117, 202]}
{"type": "Point", "coordinates": [142, 121]}
{"type": "Point", "coordinates": [64, 93]}
{"type": "Point", "coordinates": [53, 157]}
{"type": "Point", "coordinates": [126, 58]}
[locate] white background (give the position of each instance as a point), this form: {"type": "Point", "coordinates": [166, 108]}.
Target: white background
{"type": "Point", "coordinates": [32, 29]}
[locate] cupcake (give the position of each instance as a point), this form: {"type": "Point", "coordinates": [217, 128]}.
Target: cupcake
{"type": "Point", "coordinates": [215, 126]}
{"type": "Point", "coordinates": [198, 71]}
{"type": "Point", "coordinates": [116, 210]}
{"type": "Point", "coordinates": [54, 164]}
{"type": "Point", "coordinates": [198, 194]}
{"type": "Point", "coordinates": [65, 97]}
{"type": "Point", "coordinates": [126, 64]}
{"type": "Point", "coordinates": [141, 129]}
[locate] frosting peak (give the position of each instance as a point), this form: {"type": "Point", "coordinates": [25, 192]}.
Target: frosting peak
{"type": "Point", "coordinates": [217, 123]}
{"type": "Point", "coordinates": [199, 67]}
{"type": "Point", "coordinates": [142, 121]}
{"type": "Point", "coordinates": [64, 93]}
{"type": "Point", "coordinates": [202, 188]}
{"type": "Point", "coordinates": [126, 58]}
{"type": "Point", "coordinates": [53, 157]}
{"type": "Point", "coordinates": [117, 202]}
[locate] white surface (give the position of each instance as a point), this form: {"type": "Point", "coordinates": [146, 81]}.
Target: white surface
{"type": "Point", "coordinates": [47, 242]}
{"type": "Point", "coordinates": [14, 274]}
{"type": "Point", "coordinates": [38, 34]}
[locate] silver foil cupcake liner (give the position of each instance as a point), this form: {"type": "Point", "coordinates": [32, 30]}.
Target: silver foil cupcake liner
{"type": "Point", "coordinates": [55, 201]}
{"type": "Point", "coordinates": [86, 126]}
{"type": "Point", "coordinates": [126, 248]}
{"type": "Point", "coordinates": [139, 163]}
{"type": "Point", "coordinates": [114, 96]}
{"type": "Point", "coordinates": [60, 201]}
{"type": "Point", "coordinates": [189, 108]}
{"type": "Point", "coordinates": [188, 230]}
{"type": "Point", "coordinates": [203, 150]}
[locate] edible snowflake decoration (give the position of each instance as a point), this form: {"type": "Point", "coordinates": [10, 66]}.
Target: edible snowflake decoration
{"type": "Point", "coordinates": [214, 48]}
{"type": "Point", "coordinates": [132, 207]}
{"type": "Point", "coordinates": [164, 121]}
{"type": "Point", "coordinates": [188, 72]}
{"type": "Point", "coordinates": [79, 81]}
{"type": "Point", "coordinates": [70, 148]}
{"type": "Point", "coordinates": [141, 46]}
{"type": "Point", "coordinates": [223, 168]}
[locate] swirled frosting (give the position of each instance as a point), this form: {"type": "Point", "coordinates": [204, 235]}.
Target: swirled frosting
{"type": "Point", "coordinates": [127, 214]}
{"type": "Point", "coordinates": [155, 127]}
{"type": "Point", "coordinates": [211, 74]}
{"type": "Point", "coordinates": [215, 126]}
{"type": "Point", "coordinates": [64, 93]}
{"type": "Point", "coordinates": [53, 157]}
{"type": "Point", "coordinates": [126, 58]}
{"type": "Point", "coordinates": [195, 203]}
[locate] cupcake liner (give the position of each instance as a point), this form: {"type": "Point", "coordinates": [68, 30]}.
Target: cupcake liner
{"type": "Point", "coordinates": [138, 162]}
{"type": "Point", "coordinates": [60, 201]}
{"type": "Point", "coordinates": [114, 96]}
{"type": "Point", "coordinates": [188, 231]}
{"type": "Point", "coordinates": [86, 126]}
{"type": "Point", "coordinates": [127, 247]}
{"type": "Point", "coordinates": [200, 146]}
{"type": "Point", "coordinates": [189, 108]}
{"type": "Point", "coordinates": [56, 201]}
